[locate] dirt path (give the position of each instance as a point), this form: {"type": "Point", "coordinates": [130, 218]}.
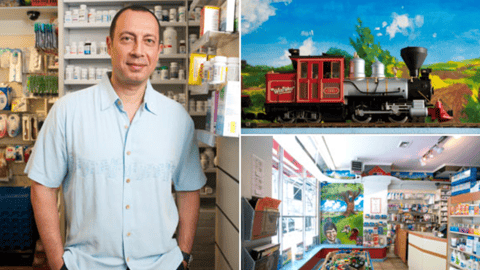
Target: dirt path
{"type": "Point", "coordinates": [453, 98]}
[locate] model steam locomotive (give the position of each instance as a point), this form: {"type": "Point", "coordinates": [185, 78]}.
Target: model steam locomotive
{"type": "Point", "coordinates": [317, 91]}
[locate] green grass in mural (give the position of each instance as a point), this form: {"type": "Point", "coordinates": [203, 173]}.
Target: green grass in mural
{"type": "Point", "coordinates": [449, 66]}
{"type": "Point", "coordinates": [355, 221]}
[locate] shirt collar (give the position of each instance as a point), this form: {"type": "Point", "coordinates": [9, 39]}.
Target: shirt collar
{"type": "Point", "coordinates": [109, 96]}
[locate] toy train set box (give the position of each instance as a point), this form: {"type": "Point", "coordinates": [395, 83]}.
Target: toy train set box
{"type": "Point", "coordinates": [317, 90]}
{"type": "Point", "coordinates": [347, 259]}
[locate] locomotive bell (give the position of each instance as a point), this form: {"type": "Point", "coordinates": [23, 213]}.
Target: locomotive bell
{"type": "Point", "coordinates": [413, 58]}
{"type": "Point", "coordinates": [357, 68]}
{"type": "Point", "coordinates": [378, 70]}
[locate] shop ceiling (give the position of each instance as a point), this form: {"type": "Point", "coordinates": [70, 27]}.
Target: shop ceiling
{"type": "Point", "coordinates": [386, 150]}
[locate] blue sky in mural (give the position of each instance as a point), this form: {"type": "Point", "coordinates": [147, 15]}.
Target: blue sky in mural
{"type": "Point", "coordinates": [340, 206]}
{"type": "Point", "coordinates": [448, 29]}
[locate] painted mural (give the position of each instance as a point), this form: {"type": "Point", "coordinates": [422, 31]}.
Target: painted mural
{"type": "Point", "coordinates": [342, 213]}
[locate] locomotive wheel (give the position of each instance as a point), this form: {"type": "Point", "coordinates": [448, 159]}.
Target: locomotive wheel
{"type": "Point", "coordinates": [361, 119]}
{"type": "Point", "coordinates": [402, 118]}
{"type": "Point", "coordinates": [313, 117]}
{"type": "Point", "coordinates": [286, 117]}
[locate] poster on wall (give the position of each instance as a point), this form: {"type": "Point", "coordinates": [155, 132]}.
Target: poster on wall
{"type": "Point", "coordinates": [342, 213]}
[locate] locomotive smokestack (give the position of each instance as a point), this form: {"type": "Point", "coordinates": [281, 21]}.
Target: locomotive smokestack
{"type": "Point", "coordinates": [294, 53]}
{"type": "Point", "coordinates": [414, 58]}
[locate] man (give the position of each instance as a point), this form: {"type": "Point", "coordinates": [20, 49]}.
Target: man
{"type": "Point", "coordinates": [330, 231]}
{"type": "Point", "coordinates": [116, 148]}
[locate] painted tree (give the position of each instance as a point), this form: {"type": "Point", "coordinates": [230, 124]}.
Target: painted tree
{"type": "Point", "coordinates": [368, 50]}
{"type": "Point", "coordinates": [344, 192]}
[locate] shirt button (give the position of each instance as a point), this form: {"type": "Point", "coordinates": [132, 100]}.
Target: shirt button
{"type": "Point", "coordinates": [128, 153]}
{"type": "Point", "coordinates": [128, 234]}
{"type": "Point", "coordinates": [119, 102]}
{"type": "Point", "coordinates": [127, 207]}
{"type": "Point", "coordinates": [128, 180]}
{"type": "Point", "coordinates": [128, 259]}
{"type": "Point", "coordinates": [126, 126]}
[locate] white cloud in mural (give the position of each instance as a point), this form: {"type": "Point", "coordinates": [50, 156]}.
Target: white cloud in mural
{"type": "Point", "coordinates": [434, 35]}
{"type": "Point", "coordinates": [377, 28]}
{"type": "Point", "coordinates": [384, 24]}
{"type": "Point", "coordinates": [308, 47]}
{"type": "Point", "coordinates": [307, 33]}
{"type": "Point", "coordinates": [256, 12]}
{"type": "Point", "coordinates": [405, 25]}
{"type": "Point", "coordinates": [379, 34]}
{"type": "Point", "coordinates": [358, 200]}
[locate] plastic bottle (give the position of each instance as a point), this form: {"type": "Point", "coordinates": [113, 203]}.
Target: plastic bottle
{"type": "Point", "coordinates": [181, 14]}
{"type": "Point", "coordinates": [91, 73]}
{"type": "Point", "coordinates": [206, 71]}
{"type": "Point", "coordinates": [170, 40]}
{"type": "Point", "coordinates": [182, 48]}
{"type": "Point", "coordinates": [173, 71]}
{"type": "Point", "coordinates": [158, 12]}
{"type": "Point", "coordinates": [81, 48]}
{"type": "Point", "coordinates": [165, 15]}
{"type": "Point", "coordinates": [233, 69]}
{"type": "Point", "coordinates": [103, 47]}
{"type": "Point", "coordinates": [73, 48]}
{"type": "Point", "coordinates": [219, 69]}
{"type": "Point", "coordinates": [173, 15]}
{"type": "Point", "coordinates": [69, 73]}
{"type": "Point", "coordinates": [91, 16]}
{"type": "Point", "coordinates": [98, 16]}
{"type": "Point", "coordinates": [99, 72]}
{"type": "Point", "coordinates": [82, 13]}
{"type": "Point", "coordinates": [75, 14]}
{"type": "Point", "coordinates": [87, 48]}
{"type": "Point", "coordinates": [105, 16]}
{"type": "Point", "coordinates": [164, 73]}
{"type": "Point", "coordinates": [76, 73]}
{"type": "Point", "coordinates": [68, 16]}
{"type": "Point", "coordinates": [111, 14]}
{"type": "Point", "coordinates": [191, 39]}
{"type": "Point", "coordinates": [94, 48]}
{"type": "Point", "coordinates": [84, 74]}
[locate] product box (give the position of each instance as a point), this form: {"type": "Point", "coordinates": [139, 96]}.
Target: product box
{"type": "Point", "coordinates": [209, 19]}
{"type": "Point", "coordinates": [228, 118]}
{"type": "Point", "coordinates": [195, 69]}
{"type": "Point", "coordinates": [227, 16]}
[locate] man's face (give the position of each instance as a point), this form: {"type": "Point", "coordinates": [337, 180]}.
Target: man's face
{"type": "Point", "coordinates": [134, 47]}
{"type": "Point", "coordinates": [331, 235]}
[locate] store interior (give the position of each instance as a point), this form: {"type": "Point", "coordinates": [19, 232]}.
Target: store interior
{"type": "Point", "coordinates": [372, 202]}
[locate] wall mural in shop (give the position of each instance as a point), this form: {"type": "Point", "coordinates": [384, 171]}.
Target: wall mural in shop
{"type": "Point", "coordinates": [342, 213]}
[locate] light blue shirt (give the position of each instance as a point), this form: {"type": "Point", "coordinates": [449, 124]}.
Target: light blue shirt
{"type": "Point", "coordinates": [117, 176]}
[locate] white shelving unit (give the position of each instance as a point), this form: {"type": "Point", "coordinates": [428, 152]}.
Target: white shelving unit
{"type": "Point", "coordinates": [463, 219]}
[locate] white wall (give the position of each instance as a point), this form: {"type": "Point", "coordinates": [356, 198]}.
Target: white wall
{"type": "Point", "coordinates": [260, 146]}
{"type": "Point", "coordinates": [375, 187]}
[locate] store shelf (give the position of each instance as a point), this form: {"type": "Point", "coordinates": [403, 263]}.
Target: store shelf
{"type": "Point", "coordinates": [81, 82]}
{"type": "Point", "coordinates": [468, 253]}
{"type": "Point", "coordinates": [197, 3]}
{"type": "Point", "coordinates": [213, 39]}
{"type": "Point", "coordinates": [168, 81]}
{"type": "Point", "coordinates": [173, 56]}
{"type": "Point", "coordinates": [87, 57]}
{"type": "Point", "coordinates": [18, 13]}
{"type": "Point", "coordinates": [85, 25]}
{"type": "Point", "coordinates": [467, 234]}
{"type": "Point", "coordinates": [193, 23]}
{"type": "Point", "coordinates": [174, 24]}
{"type": "Point", "coordinates": [210, 170]}
{"type": "Point", "coordinates": [103, 3]}
{"type": "Point", "coordinates": [457, 266]}
{"type": "Point", "coordinates": [477, 216]}
{"type": "Point", "coordinates": [198, 113]}
{"type": "Point", "coordinates": [205, 137]}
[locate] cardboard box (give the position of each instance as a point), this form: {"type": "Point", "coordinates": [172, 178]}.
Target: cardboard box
{"type": "Point", "coordinates": [227, 16]}
{"type": "Point", "coordinates": [209, 19]}
{"type": "Point", "coordinates": [228, 116]}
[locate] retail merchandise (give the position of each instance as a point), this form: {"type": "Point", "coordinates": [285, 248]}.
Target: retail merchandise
{"type": "Point", "coordinates": [209, 20]}
{"type": "Point", "coordinates": [89, 16]}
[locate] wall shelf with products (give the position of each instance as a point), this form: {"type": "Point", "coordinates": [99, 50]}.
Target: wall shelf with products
{"type": "Point", "coordinates": [463, 229]}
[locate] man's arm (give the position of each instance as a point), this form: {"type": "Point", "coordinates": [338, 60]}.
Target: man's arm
{"type": "Point", "coordinates": [188, 208]}
{"type": "Point", "coordinates": [44, 203]}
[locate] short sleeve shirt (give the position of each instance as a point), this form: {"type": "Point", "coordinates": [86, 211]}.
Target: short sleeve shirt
{"type": "Point", "coordinates": [117, 176]}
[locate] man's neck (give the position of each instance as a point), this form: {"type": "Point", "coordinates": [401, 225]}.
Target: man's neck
{"type": "Point", "coordinates": [130, 95]}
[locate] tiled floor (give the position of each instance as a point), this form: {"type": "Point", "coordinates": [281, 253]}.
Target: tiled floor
{"type": "Point", "coordinates": [391, 263]}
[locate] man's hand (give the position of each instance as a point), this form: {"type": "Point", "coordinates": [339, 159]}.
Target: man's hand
{"type": "Point", "coordinates": [188, 209]}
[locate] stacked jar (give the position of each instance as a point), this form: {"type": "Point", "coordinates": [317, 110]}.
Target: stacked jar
{"type": "Point", "coordinates": [85, 48]}
{"type": "Point", "coordinates": [90, 16]}
{"type": "Point", "coordinates": [84, 73]}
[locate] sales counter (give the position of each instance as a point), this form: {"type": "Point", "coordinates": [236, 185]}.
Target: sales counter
{"type": "Point", "coordinates": [426, 251]}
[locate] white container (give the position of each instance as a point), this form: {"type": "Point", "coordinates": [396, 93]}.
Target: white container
{"type": "Point", "coordinates": [91, 73]}
{"type": "Point", "coordinates": [164, 15]}
{"type": "Point", "coordinates": [98, 16]}
{"type": "Point", "coordinates": [210, 19]}
{"type": "Point", "coordinates": [98, 73]}
{"type": "Point", "coordinates": [181, 74]}
{"type": "Point", "coordinates": [103, 47]}
{"type": "Point", "coordinates": [197, 13]}
{"type": "Point", "coordinates": [164, 73]}
{"type": "Point", "coordinates": [200, 106]}
{"type": "Point", "coordinates": [207, 66]}
{"type": "Point", "coordinates": [94, 48]}
{"type": "Point", "coordinates": [91, 15]}
{"type": "Point", "coordinates": [173, 71]}
{"type": "Point", "coordinates": [76, 73]}
{"type": "Point", "coordinates": [191, 39]}
{"type": "Point", "coordinates": [87, 48]}
{"type": "Point", "coordinates": [81, 48]}
{"type": "Point", "coordinates": [84, 74]}
{"type": "Point", "coordinates": [233, 69]}
{"type": "Point", "coordinates": [73, 48]}
{"type": "Point", "coordinates": [182, 48]}
{"type": "Point", "coordinates": [191, 105]}
{"type": "Point", "coordinates": [82, 13]}
{"type": "Point", "coordinates": [69, 73]}
{"type": "Point", "coordinates": [181, 14]}
{"type": "Point", "coordinates": [75, 14]}
{"type": "Point", "coordinates": [219, 70]}
{"type": "Point", "coordinates": [105, 16]}
{"type": "Point", "coordinates": [172, 15]}
{"type": "Point", "coordinates": [68, 16]}
{"type": "Point", "coordinates": [170, 40]}
{"type": "Point", "coordinates": [158, 12]}
{"type": "Point", "coordinates": [68, 50]}
{"type": "Point", "coordinates": [111, 14]}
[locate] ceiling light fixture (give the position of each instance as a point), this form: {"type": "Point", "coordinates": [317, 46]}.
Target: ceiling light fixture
{"type": "Point", "coordinates": [437, 148]}
{"type": "Point", "coordinates": [422, 162]}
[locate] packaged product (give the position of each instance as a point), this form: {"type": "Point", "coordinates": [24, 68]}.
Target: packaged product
{"type": "Point", "coordinates": [195, 71]}
{"type": "Point", "coordinates": [209, 19]}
